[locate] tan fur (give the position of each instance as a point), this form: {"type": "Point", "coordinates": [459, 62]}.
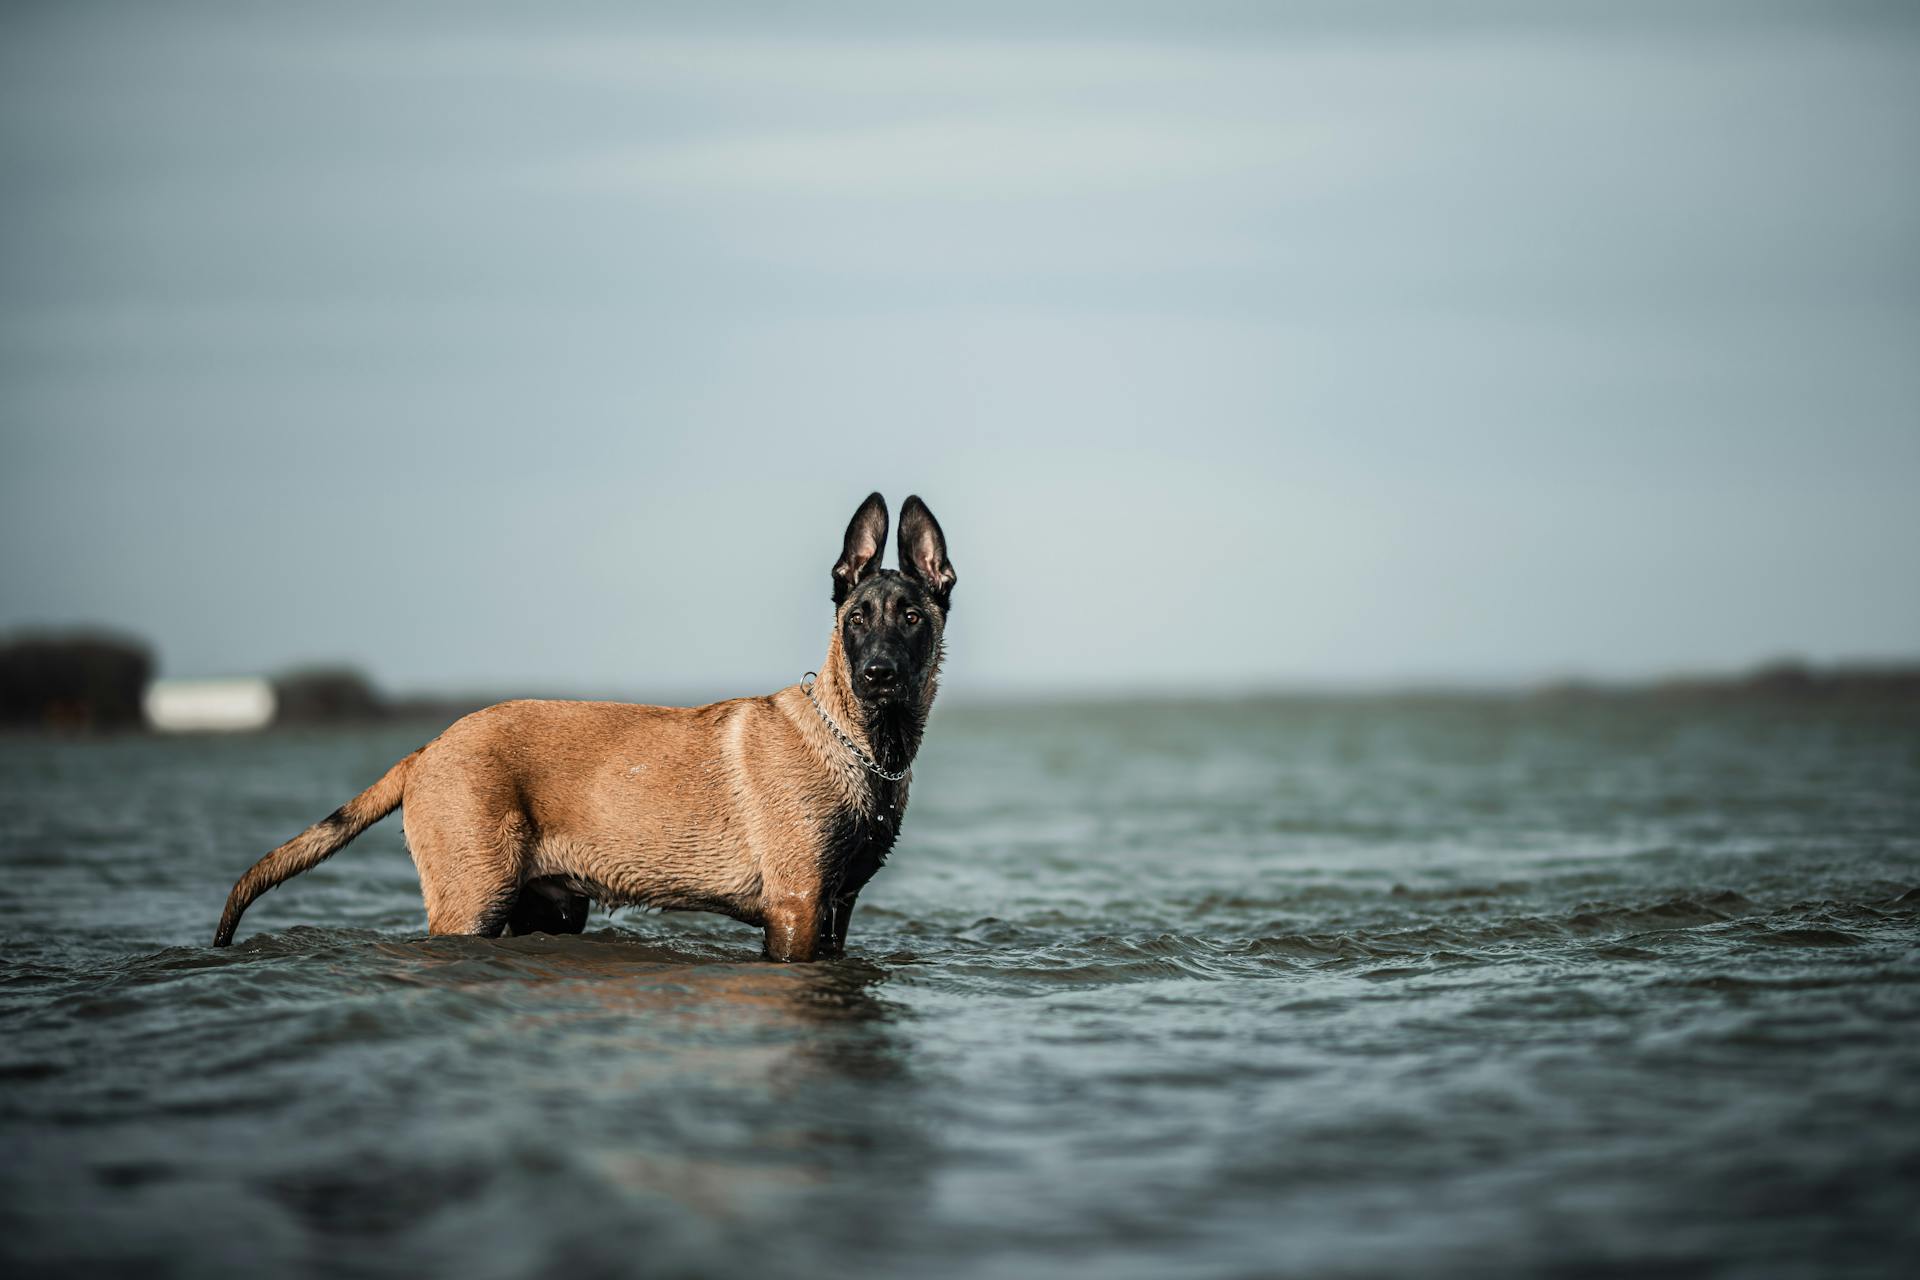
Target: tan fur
{"type": "Point", "coordinates": [723, 808]}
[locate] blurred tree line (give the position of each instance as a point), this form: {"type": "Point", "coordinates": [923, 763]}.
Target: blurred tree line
{"type": "Point", "coordinates": [81, 681]}
{"type": "Point", "coordinates": [96, 681]}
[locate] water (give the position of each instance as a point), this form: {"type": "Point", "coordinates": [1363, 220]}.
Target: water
{"type": "Point", "coordinates": [1310, 988]}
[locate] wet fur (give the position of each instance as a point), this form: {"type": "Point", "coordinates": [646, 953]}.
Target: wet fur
{"type": "Point", "coordinates": [520, 814]}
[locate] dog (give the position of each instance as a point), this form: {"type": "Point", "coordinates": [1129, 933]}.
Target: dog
{"type": "Point", "coordinates": [774, 810]}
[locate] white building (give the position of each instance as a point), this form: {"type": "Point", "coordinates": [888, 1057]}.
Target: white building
{"type": "Point", "coordinates": [209, 706]}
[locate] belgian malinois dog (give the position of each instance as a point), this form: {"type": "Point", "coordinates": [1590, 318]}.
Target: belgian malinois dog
{"type": "Point", "coordinates": [774, 810]}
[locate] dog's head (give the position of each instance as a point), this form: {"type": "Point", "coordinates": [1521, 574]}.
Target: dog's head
{"type": "Point", "coordinates": [891, 620]}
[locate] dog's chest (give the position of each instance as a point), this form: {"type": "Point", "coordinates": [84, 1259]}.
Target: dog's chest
{"type": "Point", "coordinates": [858, 840]}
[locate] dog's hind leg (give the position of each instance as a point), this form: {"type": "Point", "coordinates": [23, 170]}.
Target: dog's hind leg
{"type": "Point", "coordinates": [545, 907]}
{"type": "Point", "coordinates": [470, 866]}
{"type": "Point", "coordinates": [475, 907]}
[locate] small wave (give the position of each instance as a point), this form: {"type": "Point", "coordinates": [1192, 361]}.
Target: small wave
{"type": "Point", "coordinates": [1809, 938]}
{"type": "Point", "coordinates": [1626, 932]}
{"type": "Point", "coordinates": [1674, 913]}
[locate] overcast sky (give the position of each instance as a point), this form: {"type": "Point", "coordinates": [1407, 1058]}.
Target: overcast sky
{"type": "Point", "coordinates": [1233, 344]}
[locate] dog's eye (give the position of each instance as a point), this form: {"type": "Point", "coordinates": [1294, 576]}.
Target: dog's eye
{"type": "Point", "coordinates": [856, 620]}
{"type": "Point", "coordinates": [913, 618]}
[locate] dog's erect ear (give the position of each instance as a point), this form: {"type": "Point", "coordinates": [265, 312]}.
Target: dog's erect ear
{"type": "Point", "coordinates": [860, 554]}
{"type": "Point", "coordinates": [923, 550]}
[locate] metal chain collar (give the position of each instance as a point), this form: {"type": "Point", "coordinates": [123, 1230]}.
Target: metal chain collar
{"type": "Point", "coordinates": [806, 687]}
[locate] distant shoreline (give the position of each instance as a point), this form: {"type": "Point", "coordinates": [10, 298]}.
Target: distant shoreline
{"type": "Point", "coordinates": [1889, 683]}
{"type": "Point", "coordinates": [93, 682]}
{"type": "Point", "coordinates": [1893, 683]}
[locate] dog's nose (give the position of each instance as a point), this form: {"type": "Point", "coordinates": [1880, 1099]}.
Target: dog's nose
{"type": "Point", "coordinates": [878, 675]}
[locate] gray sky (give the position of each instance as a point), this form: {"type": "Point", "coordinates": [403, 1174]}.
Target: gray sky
{"type": "Point", "coordinates": [1232, 344]}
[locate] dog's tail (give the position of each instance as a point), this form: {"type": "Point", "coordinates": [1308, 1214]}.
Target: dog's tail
{"type": "Point", "coordinates": [316, 844]}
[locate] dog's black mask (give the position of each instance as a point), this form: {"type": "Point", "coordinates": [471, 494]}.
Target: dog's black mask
{"type": "Point", "coordinates": [889, 628]}
{"type": "Point", "coordinates": [891, 620]}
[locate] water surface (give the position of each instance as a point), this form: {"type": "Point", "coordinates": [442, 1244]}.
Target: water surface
{"type": "Point", "coordinates": [1340, 987]}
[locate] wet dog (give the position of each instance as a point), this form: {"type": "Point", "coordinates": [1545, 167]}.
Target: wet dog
{"type": "Point", "coordinates": [774, 810]}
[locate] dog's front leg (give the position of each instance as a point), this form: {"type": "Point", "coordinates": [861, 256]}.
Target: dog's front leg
{"type": "Point", "coordinates": [840, 916]}
{"type": "Point", "coordinates": [794, 927]}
